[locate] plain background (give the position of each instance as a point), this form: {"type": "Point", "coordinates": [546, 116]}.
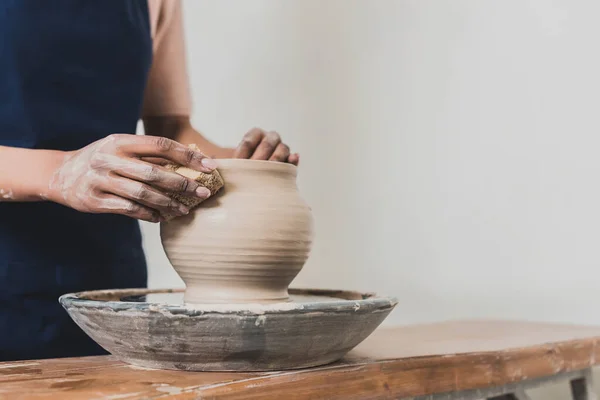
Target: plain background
{"type": "Point", "coordinates": [449, 149]}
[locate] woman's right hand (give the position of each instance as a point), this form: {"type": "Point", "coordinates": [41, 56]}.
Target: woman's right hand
{"type": "Point", "coordinates": [112, 176]}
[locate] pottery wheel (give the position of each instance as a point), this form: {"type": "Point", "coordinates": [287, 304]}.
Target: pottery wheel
{"type": "Point", "coordinates": [155, 329]}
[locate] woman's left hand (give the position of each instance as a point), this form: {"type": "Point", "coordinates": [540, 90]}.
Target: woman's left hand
{"type": "Point", "coordinates": [261, 145]}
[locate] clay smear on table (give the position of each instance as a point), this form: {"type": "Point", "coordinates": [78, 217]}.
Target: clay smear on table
{"type": "Point", "coordinates": [6, 194]}
{"type": "Point", "coordinates": [246, 243]}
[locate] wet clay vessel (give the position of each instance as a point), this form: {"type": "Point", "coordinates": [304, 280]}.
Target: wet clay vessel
{"type": "Point", "coordinates": [246, 243]}
{"type": "Point", "coordinates": [155, 329]}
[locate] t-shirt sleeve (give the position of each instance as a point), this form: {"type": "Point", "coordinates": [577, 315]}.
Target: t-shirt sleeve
{"type": "Point", "coordinates": [167, 91]}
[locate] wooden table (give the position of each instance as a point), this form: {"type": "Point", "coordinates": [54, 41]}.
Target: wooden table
{"type": "Point", "coordinates": [454, 360]}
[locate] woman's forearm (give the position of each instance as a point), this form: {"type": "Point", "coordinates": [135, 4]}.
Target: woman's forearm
{"type": "Point", "coordinates": [25, 174]}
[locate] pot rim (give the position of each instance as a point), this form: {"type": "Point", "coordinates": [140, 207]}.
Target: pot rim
{"type": "Point", "coordinates": [246, 164]}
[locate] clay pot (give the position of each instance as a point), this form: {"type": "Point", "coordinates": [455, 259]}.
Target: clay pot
{"type": "Point", "coordinates": [246, 243]}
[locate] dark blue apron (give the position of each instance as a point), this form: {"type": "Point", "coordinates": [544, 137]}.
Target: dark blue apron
{"type": "Point", "coordinates": [71, 72]}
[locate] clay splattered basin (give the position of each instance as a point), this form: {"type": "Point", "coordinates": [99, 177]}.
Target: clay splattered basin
{"type": "Point", "coordinates": [154, 329]}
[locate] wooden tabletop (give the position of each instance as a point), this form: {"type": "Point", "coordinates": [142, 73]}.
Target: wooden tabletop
{"type": "Point", "coordinates": [392, 363]}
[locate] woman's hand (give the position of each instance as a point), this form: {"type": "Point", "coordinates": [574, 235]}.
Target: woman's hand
{"type": "Point", "coordinates": [260, 145]}
{"type": "Point", "coordinates": [111, 176]}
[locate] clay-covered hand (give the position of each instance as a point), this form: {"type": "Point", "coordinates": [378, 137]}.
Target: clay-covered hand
{"type": "Point", "coordinates": [111, 176]}
{"type": "Point", "coordinates": [261, 145]}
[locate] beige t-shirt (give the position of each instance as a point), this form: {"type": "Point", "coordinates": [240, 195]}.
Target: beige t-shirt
{"type": "Point", "coordinates": [167, 91]}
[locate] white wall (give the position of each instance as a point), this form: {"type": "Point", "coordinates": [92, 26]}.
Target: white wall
{"type": "Point", "coordinates": [449, 148]}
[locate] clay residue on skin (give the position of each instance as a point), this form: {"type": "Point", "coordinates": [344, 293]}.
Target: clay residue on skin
{"type": "Point", "coordinates": [6, 194]}
{"type": "Point", "coordinates": [73, 167]}
{"type": "Point", "coordinates": [74, 180]}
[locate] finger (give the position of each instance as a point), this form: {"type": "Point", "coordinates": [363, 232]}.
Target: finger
{"type": "Point", "coordinates": [145, 195]}
{"type": "Point", "coordinates": [109, 203]}
{"type": "Point", "coordinates": [249, 143]}
{"type": "Point", "coordinates": [267, 146]}
{"type": "Point", "coordinates": [294, 159]}
{"type": "Point", "coordinates": [281, 153]}
{"type": "Point", "coordinates": [156, 160]}
{"type": "Point", "coordinates": [161, 178]}
{"type": "Point", "coordinates": [162, 147]}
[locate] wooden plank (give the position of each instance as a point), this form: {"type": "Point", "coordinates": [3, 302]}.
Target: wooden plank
{"type": "Point", "coordinates": [393, 363]}
{"type": "Point", "coordinates": [98, 377]}
{"type": "Point", "coordinates": [416, 376]}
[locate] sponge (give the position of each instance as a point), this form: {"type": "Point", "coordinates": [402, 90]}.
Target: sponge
{"type": "Point", "coordinates": [212, 181]}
